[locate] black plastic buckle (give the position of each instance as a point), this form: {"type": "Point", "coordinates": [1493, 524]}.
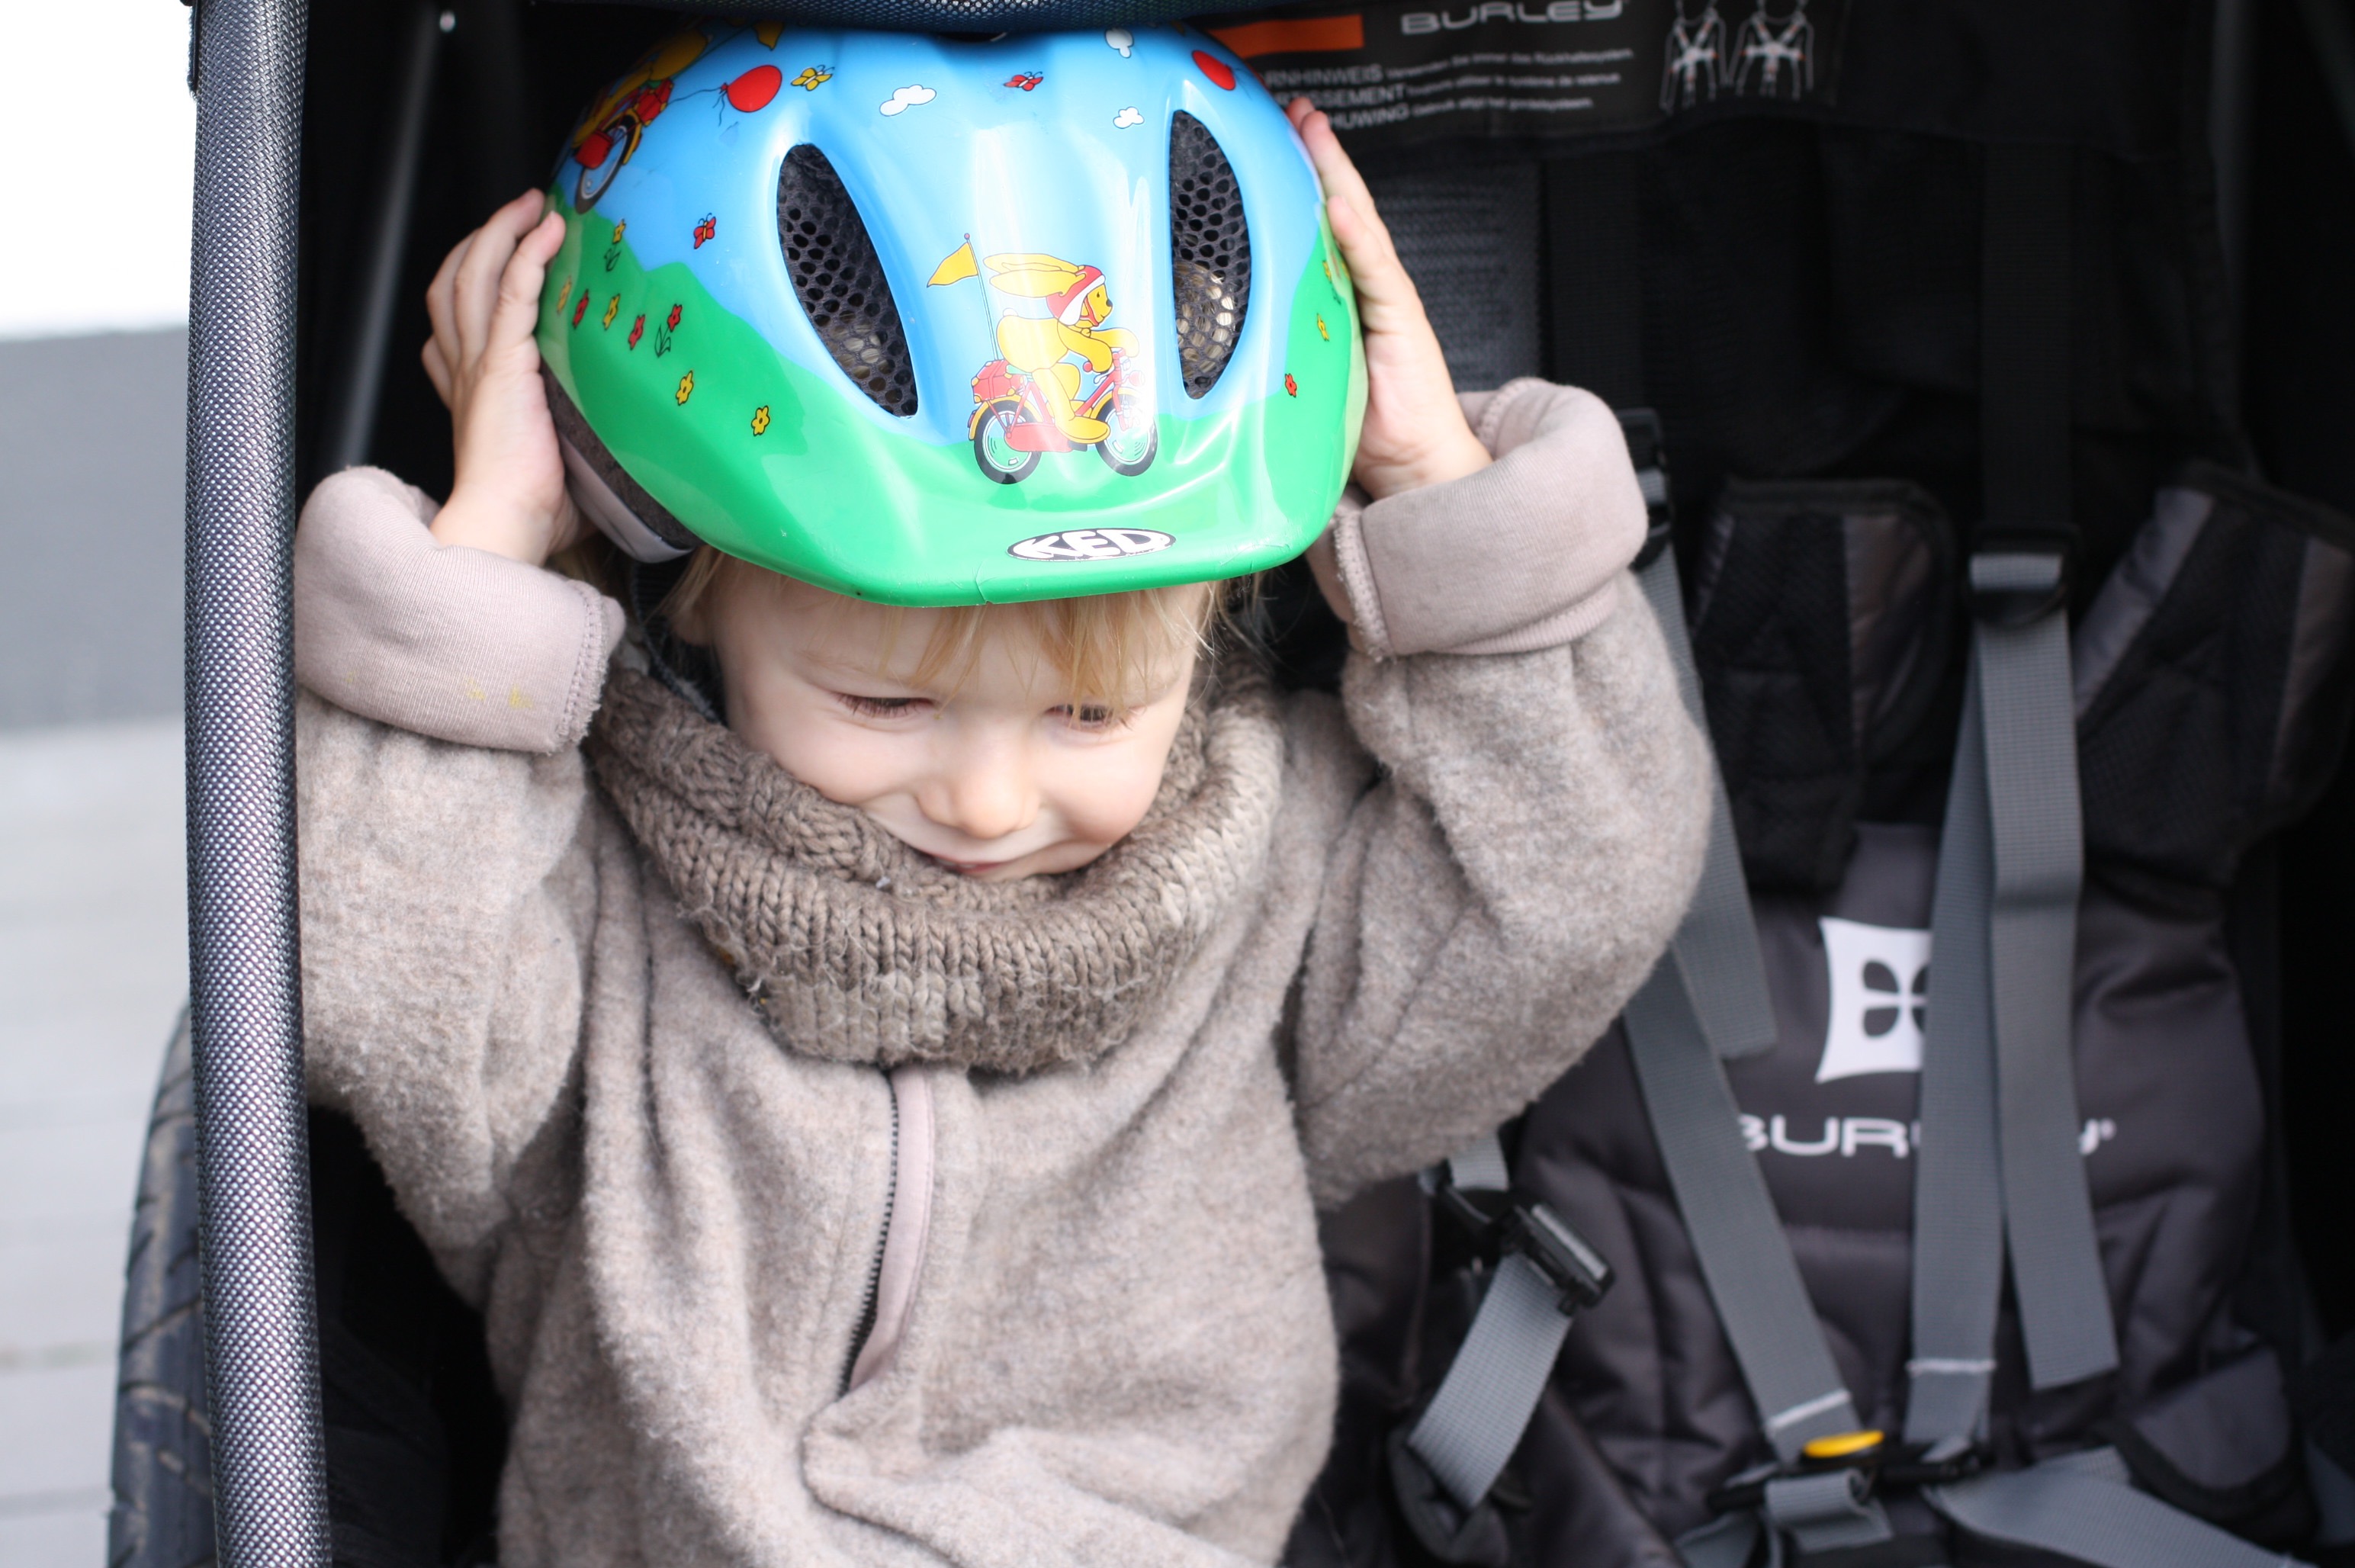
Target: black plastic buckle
{"type": "Point", "coordinates": [1882, 1464]}
{"type": "Point", "coordinates": [1577, 1272]}
{"type": "Point", "coordinates": [1914, 1466]}
{"type": "Point", "coordinates": [1648, 452]}
{"type": "Point", "coordinates": [2020, 586]}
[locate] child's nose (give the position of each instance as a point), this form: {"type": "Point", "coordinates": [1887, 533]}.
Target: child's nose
{"type": "Point", "coordinates": [984, 794]}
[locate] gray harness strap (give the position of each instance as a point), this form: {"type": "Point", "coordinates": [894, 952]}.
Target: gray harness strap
{"type": "Point", "coordinates": [1475, 1420]}
{"type": "Point", "coordinates": [2027, 712]}
{"type": "Point", "coordinates": [1737, 1237]}
{"type": "Point", "coordinates": [1999, 1157]}
{"type": "Point", "coordinates": [1543, 1274]}
{"type": "Point", "coordinates": [1717, 945]}
{"type": "Point", "coordinates": [1957, 1187]}
{"type": "Point", "coordinates": [2081, 1506]}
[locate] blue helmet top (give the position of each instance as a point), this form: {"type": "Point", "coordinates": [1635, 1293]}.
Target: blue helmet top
{"type": "Point", "coordinates": [936, 321]}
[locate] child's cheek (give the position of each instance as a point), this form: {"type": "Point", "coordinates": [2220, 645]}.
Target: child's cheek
{"type": "Point", "coordinates": [1106, 798]}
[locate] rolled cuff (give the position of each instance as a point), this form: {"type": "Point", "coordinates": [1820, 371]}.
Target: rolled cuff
{"type": "Point", "coordinates": [1525, 554]}
{"type": "Point", "coordinates": [439, 640]}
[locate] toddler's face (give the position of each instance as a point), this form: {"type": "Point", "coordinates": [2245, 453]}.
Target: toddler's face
{"type": "Point", "coordinates": [986, 768]}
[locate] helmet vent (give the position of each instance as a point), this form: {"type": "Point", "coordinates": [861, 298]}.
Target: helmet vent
{"type": "Point", "coordinates": [1209, 253]}
{"type": "Point", "coordinates": [840, 280]}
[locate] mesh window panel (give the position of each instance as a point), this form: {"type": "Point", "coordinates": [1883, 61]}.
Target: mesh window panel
{"type": "Point", "coordinates": [1209, 253]}
{"type": "Point", "coordinates": [840, 281]}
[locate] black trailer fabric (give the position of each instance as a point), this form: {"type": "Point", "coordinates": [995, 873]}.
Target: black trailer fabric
{"type": "Point", "coordinates": [1647, 1415]}
{"type": "Point", "coordinates": [1797, 287]}
{"type": "Point", "coordinates": [1805, 298]}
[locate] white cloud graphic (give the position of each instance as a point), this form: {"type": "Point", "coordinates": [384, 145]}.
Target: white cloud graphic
{"type": "Point", "coordinates": [1121, 38]}
{"type": "Point", "coordinates": [908, 97]}
{"type": "Point", "coordinates": [1127, 117]}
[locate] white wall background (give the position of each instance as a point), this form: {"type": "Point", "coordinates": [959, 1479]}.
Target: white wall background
{"type": "Point", "coordinates": [99, 167]}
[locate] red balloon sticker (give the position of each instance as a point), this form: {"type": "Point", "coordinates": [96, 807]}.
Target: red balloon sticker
{"type": "Point", "coordinates": [1219, 72]}
{"type": "Point", "coordinates": [753, 90]}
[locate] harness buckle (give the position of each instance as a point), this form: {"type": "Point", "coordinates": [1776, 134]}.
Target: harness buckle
{"type": "Point", "coordinates": [1577, 1273]}
{"type": "Point", "coordinates": [1867, 1452]}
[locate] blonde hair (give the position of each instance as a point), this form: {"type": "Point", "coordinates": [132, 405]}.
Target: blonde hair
{"type": "Point", "coordinates": [1105, 648]}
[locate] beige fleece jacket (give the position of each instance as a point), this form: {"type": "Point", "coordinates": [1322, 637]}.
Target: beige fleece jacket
{"type": "Point", "coordinates": [1080, 1312]}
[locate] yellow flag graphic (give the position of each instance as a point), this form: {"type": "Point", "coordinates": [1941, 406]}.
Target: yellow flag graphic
{"type": "Point", "coordinates": [956, 267]}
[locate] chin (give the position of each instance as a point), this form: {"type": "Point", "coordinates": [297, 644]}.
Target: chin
{"type": "Point", "coordinates": [1050, 861]}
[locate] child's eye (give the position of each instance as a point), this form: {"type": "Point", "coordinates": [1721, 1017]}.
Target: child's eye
{"type": "Point", "coordinates": [1087, 715]}
{"type": "Point", "coordinates": [881, 707]}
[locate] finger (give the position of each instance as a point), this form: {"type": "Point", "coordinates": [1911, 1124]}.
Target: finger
{"type": "Point", "coordinates": [1387, 297]}
{"type": "Point", "coordinates": [1338, 171]}
{"type": "Point", "coordinates": [1299, 109]}
{"type": "Point", "coordinates": [477, 284]}
{"type": "Point", "coordinates": [440, 301]}
{"type": "Point", "coordinates": [517, 315]}
{"type": "Point", "coordinates": [437, 369]}
{"type": "Point", "coordinates": [1366, 243]}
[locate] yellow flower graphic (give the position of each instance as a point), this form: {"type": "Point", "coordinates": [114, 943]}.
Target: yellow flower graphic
{"type": "Point", "coordinates": [1324, 331]}
{"type": "Point", "coordinates": [563, 296]}
{"type": "Point", "coordinates": [619, 228]}
{"type": "Point", "coordinates": [612, 309]}
{"type": "Point", "coordinates": [685, 386]}
{"type": "Point", "coordinates": [761, 420]}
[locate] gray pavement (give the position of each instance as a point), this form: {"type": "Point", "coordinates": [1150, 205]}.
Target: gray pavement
{"type": "Point", "coordinates": [92, 929]}
{"type": "Point", "coordinates": [93, 969]}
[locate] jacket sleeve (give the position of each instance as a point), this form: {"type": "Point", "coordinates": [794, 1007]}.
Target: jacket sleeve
{"type": "Point", "coordinates": [449, 850]}
{"type": "Point", "coordinates": [1537, 826]}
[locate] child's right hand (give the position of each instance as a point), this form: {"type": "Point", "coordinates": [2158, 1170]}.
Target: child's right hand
{"type": "Point", "coordinates": [509, 497]}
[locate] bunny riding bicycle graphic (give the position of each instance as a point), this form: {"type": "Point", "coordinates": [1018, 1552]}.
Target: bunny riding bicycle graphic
{"type": "Point", "coordinates": [1063, 380]}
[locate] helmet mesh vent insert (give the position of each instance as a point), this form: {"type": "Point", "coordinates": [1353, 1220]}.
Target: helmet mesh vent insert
{"type": "Point", "coordinates": [1209, 253]}
{"type": "Point", "coordinates": [840, 280]}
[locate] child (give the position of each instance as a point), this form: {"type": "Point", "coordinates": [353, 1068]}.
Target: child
{"type": "Point", "coordinates": [888, 1125]}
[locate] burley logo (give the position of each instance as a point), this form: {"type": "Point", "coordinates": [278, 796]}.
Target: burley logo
{"type": "Point", "coordinates": [1414, 71]}
{"type": "Point", "coordinates": [1879, 993]}
{"type": "Point", "coordinates": [1089, 544]}
{"type": "Point", "coordinates": [1879, 1010]}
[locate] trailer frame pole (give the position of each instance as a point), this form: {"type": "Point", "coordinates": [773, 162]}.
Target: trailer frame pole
{"type": "Point", "coordinates": [269, 1459]}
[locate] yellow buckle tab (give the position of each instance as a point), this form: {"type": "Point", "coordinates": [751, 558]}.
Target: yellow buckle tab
{"type": "Point", "coordinates": [1844, 1445]}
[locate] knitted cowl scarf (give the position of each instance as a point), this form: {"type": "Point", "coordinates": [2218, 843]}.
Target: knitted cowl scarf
{"type": "Point", "coordinates": [855, 947]}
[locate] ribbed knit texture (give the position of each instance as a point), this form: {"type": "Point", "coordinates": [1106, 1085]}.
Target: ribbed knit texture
{"type": "Point", "coordinates": [855, 947]}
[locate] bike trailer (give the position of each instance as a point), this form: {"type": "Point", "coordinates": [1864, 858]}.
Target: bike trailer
{"type": "Point", "coordinates": [1986, 364]}
{"type": "Point", "coordinates": [1953, 1166]}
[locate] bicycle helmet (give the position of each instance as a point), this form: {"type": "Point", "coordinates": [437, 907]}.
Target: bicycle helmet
{"type": "Point", "coordinates": [931, 320]}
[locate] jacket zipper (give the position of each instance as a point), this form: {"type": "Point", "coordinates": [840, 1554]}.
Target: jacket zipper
{"type": "Point", "coordinates": [899, 1265]}
{"type": "Point", "coordinates": [875, 1265]}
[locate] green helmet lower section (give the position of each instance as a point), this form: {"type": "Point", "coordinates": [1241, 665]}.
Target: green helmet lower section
{"type": "Point", "coordinates": [765, 460]}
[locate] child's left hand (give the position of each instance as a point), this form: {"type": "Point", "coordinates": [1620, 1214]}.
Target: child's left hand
{"type": "Point", "coordinates": [1414, 432]}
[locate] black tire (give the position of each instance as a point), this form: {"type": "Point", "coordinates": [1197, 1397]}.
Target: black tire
{"type": "Point", "coordinates": [986, 455]}
{"type": "Point", "coordinates": [163, 1512]}
{"type": "Point", "coordinates": [414, 1432]}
